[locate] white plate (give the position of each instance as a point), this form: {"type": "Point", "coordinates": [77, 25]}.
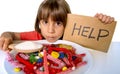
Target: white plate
{"type": "Point", "coordinates": [79, 49]}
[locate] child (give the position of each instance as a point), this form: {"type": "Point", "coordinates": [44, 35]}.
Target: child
{"type": "Point", "coordinates": [50, 23]}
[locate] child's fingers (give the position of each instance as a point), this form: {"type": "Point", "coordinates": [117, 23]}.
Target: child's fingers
{"type": "Point", "coordinates": [6, 43]}
{"type": "Point", "coordinates": [111, 20]}
{"type": "Point", "coordinates": [104, 19]}
{"type": "Point", "coordinates": [99, 16]}
{"type": "Point", "coordinates": [1, 43]}
{"type": "Point", "coordinates": [96, 15]}
{"type": "Point", "coordinates": [107, 20]}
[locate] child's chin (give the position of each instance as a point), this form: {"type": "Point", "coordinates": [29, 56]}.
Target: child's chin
{"type": "Point", "coordinates": [51, 41]}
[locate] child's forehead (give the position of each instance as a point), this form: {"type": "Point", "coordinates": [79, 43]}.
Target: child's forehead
{"type": "Point", "coordinates": [52, 18]}
{"type": "Point", "coordinates": [54, 14]}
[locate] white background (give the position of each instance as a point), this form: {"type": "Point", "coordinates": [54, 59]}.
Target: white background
{"type": "Point", "coordinates": [19, 15]}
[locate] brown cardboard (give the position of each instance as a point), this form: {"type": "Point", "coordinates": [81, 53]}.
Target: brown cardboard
{"type": "Point", "coordinates": [89, 32]}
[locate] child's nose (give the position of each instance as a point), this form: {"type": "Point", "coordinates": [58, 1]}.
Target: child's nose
{"type": "Point", "coordinates": [51, 28]}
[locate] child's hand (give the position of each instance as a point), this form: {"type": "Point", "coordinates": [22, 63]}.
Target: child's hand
{"type": "Point", "coordinates": [104, 18]}
{"type": "Point", "coordinates": [5, 40]}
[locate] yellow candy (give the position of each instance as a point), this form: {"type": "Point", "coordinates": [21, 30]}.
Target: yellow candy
{"type": "Point", "coordinates": [40, 54]}
{"type": "Point", "coordinates": [64, 68]}
{"type": "Point", "coordinates": [17, 69]}
{"type": "Point", "coordinates": [55, 54]}
{"type": "Point", "coordinates": [69, 47]}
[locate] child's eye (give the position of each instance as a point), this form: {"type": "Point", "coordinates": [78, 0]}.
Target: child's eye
{"type": "Point", "coordinates": [45, 22]}
{"type": "Point", "coordinates": [58, 23]}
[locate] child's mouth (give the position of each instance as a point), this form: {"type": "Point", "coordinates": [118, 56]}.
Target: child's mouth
{"type": "Point", "coordinates": [51, 39]}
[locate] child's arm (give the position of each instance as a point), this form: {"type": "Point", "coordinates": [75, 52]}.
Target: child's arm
{"type": "Point", "coordinates": [7, 37]}
{"type": "Point", "coordinates": [104, 18]}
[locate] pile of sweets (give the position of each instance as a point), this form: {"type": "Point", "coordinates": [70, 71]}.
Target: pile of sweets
{"type": "Point", "coordinates": [52, 59]}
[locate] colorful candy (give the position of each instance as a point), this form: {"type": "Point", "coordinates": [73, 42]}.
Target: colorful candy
{"type": "Point", "coordinates": [55, 54]}
{"type": "Point", "coordinates": [64, 68]}
{"type": "Point", "coordinates": [52, 59]}
{"type": "Point", "coordinates": [17, 69]}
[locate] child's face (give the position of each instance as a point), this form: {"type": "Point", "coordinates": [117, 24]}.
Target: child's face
{"type": "Point", "coordinates": [51, 30]}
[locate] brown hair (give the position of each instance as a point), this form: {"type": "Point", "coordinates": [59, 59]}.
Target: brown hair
{"type": "Point", "coordinates": [56, 9]}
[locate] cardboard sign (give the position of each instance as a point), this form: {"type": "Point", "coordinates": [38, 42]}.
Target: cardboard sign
{"type": "Point", "coordinates": [89, 32]}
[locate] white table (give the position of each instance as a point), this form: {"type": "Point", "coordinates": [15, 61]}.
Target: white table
{"type": "Point", "coordinates": [113, 59]}
{"type": "Point", "coordinates": [107, 63]}
{"type": "Point", "coordinates": [104, 63]}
